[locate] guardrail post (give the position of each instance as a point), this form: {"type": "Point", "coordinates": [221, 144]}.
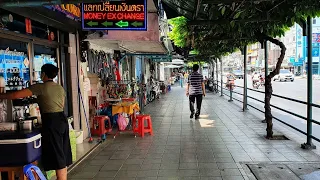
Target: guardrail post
{"type": "Point", "coordinates": [245, 79]}
{"type": "Point", "coordinates": [217, 74]}
{"type": "Point", "coordinates": [221, 69]}
{"type": "Point", "coordinates": [141, 84]}
{"type": "Point", "coordinates": [266, 70]}
{"type": "Point", "coordinates": [308, 144]}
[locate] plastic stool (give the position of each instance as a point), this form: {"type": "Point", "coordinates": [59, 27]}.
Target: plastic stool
{"type": "Point", "coordinates": [142, 129]}
{"type": "Point", "coordinates": [31, 170]}
{"type": "Point", "coordinates": [99, 125]}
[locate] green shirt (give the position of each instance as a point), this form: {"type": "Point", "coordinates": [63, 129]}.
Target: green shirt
{"type": "Point", "coordinates": [50, 96]}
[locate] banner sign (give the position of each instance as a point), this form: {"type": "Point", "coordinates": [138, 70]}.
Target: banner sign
{"type": "Point", "coordinates": [115, 15]}
{"type": "Point", "coordinates": [166, 58]}
{"type": "Point", "coordinates": [70, 10]}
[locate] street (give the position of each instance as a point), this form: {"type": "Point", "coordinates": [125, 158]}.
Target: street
{"type": "Point", "coordinates": [294, 90]}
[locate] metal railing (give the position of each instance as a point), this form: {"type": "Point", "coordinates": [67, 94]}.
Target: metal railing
{"type": "Point", "coordinates": [276, 107]}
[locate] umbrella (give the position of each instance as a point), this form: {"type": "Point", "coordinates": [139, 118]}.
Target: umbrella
{"type": "Point", "coordinates": [172, 66]}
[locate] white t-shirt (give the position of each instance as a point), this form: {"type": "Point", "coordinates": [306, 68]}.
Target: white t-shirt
{"type": "Point", "coordinates": [256, 77]}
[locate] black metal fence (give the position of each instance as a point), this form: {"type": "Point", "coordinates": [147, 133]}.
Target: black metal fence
{"type": "Point", "coordinates": [231, 92]}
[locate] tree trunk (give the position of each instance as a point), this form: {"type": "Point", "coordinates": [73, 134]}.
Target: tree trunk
{"type": "Point", "coordinates": [268, 84]}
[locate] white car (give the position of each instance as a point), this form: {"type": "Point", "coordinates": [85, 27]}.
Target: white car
{"type": "Point", "coordinates": [284, 75]}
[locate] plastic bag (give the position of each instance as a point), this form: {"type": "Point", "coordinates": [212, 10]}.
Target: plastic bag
{"type": "Point", "coordinates": [122, 122]}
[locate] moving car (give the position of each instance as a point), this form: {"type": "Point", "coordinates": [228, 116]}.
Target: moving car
{"type": "Point", "coordinates": [284, 75]}
{"type": "Point", "coordinates": [238, 74]}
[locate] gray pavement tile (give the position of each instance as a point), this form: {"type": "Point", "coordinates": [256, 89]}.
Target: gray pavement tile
{"type": "Point", "coordinates": [147, 173]}
{"type": "Point", "coordinates": [106, 174]}
{"type": "Point", "coordinates": [123, 174]}
{"type": "Point", "coordinates": [208, 165]}
{"type": "Point", "coordinates": [150, 166]}
{"type": "Point", "coordinates": [168, 173]}
{"type": "Point", "coordinates": [170, 166]}
{"type": "Point", "coordinates": [108, 167]}
{"type": "Point", "coordinates": [85, 175]}
{"type": "Point", "coordinates": [230, 172]}
{"type": "Point", "coordinates": [131, 167]}
{"type": "Point", "coordinates": [91, 168]}
{"type": "Point", "coordinates": [188, 166]}
{"type": "Point", "coordinates": [232, 178]}
{"type": "Point", "coordinates": [227, 165]}
{"type": "Point", "coordinates": [134, 161]}
{"type": "Point", "coordinates": [209, 172]}
{"type": "Point", "coordinates": [146, 178]}
{"type": "Point", "coordinates": [224, 159]}
{"type": "Point", "coordinates": [211, 178]}
{"type": "Point", "coordinates": [188, 173]}
{"type": "Point", "coordinates": [169, 178]}
{"type": "Point", "coordinates": [124, 178]}
{"type": "Point", "coordinates": [98, 162]}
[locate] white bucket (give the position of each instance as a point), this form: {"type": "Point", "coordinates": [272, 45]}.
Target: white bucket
{"type": "Point", "coordinates": [79, 136]}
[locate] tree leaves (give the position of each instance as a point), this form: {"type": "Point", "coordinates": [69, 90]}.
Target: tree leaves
{"type": "Point", "coordinates": [221, 38]}
{"type": "Point", "coordinates": [236, 16]}
{"type": "Point", "coordinates": [223, 10]}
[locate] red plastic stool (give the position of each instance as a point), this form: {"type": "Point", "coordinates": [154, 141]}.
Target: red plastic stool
{"type": "Point", "coordinates": [142, 129]}
{"type": "Point", "coordinates": [99, 125]}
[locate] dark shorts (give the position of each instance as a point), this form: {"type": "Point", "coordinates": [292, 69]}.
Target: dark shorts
{"type": "Point", "coordinates": [56, 149]}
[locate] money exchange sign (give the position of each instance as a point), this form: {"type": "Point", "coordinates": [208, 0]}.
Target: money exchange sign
{"type": "Point", "coordinates": [115, 15]}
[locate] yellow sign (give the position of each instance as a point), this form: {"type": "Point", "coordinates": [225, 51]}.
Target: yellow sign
{"type": "Point", "coordinates": [72, 9]}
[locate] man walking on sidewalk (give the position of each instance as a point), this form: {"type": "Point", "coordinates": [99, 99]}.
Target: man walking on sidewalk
{"type": "Point", "coordinates": [195, 91]}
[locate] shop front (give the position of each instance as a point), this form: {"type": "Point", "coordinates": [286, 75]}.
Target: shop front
{"type": "Point", "coordinates": [30, 38]}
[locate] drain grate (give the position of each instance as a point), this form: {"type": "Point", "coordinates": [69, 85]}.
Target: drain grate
{"type": "Point", "coordinates": [272, 172]}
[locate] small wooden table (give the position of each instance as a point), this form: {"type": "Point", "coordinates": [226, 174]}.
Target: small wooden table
{"type": "Point", "coordinates": [12, 170]}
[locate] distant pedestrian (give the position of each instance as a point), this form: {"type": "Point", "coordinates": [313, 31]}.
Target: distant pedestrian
{"type": "Point", "coordinates": [181, 80]}
{"type": "Point", "coordinates": [195, 91]}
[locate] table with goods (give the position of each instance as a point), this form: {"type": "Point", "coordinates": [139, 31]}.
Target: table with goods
{"type": "Point", "coordinates": [120, 106]}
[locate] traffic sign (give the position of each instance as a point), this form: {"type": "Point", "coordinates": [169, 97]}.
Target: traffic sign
{"type": "Point", "coordinates": [115, 15]}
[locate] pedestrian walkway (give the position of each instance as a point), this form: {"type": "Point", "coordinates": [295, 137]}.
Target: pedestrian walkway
{"type": "Point", "coordinates": [214, 147]}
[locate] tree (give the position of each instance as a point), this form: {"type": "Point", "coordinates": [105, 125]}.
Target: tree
{"type": "Point", "coordinates": [230, 26]}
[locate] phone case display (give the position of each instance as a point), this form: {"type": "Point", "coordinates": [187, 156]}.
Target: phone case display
{"type": "Point", "coordinates": [121, 90]}
{"type": "Point", "coordinates": [39, 61]}
{"type": "Point", "coordinates": [14, 67]}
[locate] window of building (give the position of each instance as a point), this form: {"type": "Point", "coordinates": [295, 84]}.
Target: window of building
{"type": "Point", "coordinates": [14, 64]}
{"type": "Point", "coordinates": [314, 21]}
{"type": "Point", "coordinates": [43, 55]}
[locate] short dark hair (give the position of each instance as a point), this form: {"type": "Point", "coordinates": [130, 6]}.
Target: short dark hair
{"type": "Point", "coordinates": [50, 70]}
{"type": "Point", "coordinates": [195, 67]}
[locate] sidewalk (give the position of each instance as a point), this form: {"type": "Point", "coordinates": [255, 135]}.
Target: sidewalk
{"type": "Point", "coordinates": [214, 147]}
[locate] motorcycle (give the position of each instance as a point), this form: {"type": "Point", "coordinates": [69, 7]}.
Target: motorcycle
{"type": "Point", "coordinates": [257, 84]}
{"type": "Point", "coordinates": [210, 84]}
{"type": "Point", "coordinates": [155, 91]}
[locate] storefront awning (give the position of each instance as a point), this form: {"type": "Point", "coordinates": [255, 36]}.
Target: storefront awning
{"type": "Point", "coordinates": [134, 47]}
{"type": "Point", "coordinates": [143, 47]}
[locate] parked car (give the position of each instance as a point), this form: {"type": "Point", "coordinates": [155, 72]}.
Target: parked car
{"type": "Point", "coordinates": [284, 75]}
{"type": "Point", "coordinates": [238, 74]}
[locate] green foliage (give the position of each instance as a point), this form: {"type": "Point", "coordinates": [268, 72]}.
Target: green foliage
{"type": "Point", "coordinates": [239, 24]}
{"type": "Point", "coordinates": [179, 34]}
{"type": "Point", "coordinates": [190, 64]}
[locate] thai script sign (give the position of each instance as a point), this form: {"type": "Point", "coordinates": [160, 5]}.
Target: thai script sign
{"type": "Point", "coordinates": [115, 15]}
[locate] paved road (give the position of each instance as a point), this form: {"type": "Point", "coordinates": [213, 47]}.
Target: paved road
{"type": "Point", "coordinates": [295, 90]}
